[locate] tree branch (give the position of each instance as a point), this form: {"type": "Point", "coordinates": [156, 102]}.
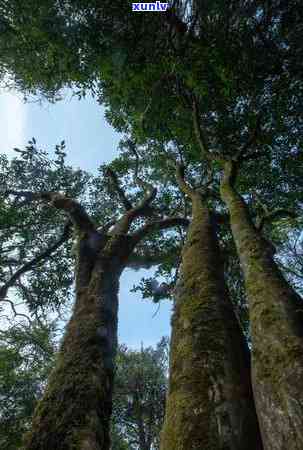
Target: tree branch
{"type": "Point", "coordinates": [29, 265]}
{"type": "Point", "coordinates": [230, 173]}
{"type": "Point", "coordinates": [158, 225]}
{"type": "Point", "coordinates": [241, 155]}
{"type": "Point", "coordinates": [150, 190]}
{"type": "Point", "coordinates": [183, 185]}
{"type": "Point", "coordinates": [192, 192]}
{"type": "Point", "coordinates": [147, 260]}
{"type": "Point", "coordinates": [206, 153]}
{"type": "Point", "coordinates": [143, 208]}
{"type": "Point", "coordinates": [76, 212]}
{"type": "Point", "coordinates": [16, 314]}
{"type": "Point", "coordinates": [115, 182]}
{"type": "Point", "coordinates": [271, 216]}
{"type": "Point", "coordinates": [123, 225]}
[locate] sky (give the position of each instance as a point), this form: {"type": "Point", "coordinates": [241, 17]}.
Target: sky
{"type": "Point", "coordinates": [90, 141]}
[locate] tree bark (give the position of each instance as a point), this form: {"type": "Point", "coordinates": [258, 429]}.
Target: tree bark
{"type": "Point", "coordinates": [210, 404]}
{"type": "Point", "coordinates": [276, 318]}
{"type": "Point", "coordinates": [74, 413]}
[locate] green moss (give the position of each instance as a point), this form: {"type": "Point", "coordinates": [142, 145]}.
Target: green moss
{"type": "Point", "coordinates": [77, 401]}
{"type": "Point", "coordinates": [276, 327]}
{"type": "Point", "coordinates": [203, 407]}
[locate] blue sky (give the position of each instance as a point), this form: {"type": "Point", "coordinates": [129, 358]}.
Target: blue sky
{"type": "Point", "coordinates": [90, 141]}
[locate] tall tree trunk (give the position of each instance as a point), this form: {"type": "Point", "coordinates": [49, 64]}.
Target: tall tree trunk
{"type": "Point", "coordinates": [276, 318]}
{"type": "Point", "coordinates": [210, 404]}
{"type": "Point", "coordinates": [74, 413]}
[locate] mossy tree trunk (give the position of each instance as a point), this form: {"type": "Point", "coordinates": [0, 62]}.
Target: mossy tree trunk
{"type": "Point", "coordinates": [75, 410]}
{"type": "Point", "coordinates": [210, 404]}
{"type": "Point", "coordinates": [276, 317]}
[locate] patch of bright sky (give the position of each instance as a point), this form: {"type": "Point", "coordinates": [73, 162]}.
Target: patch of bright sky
{"type": "Point", "coordinates": [90, 141]}
{"type": "Point", "coordinates": [12, 120]}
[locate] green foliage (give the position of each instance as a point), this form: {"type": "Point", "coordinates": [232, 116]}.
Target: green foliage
{"type": "Point", "coordinates": [290, 258]}
{"type": "Point", "coordinates": [42, 288]}
{"type": "Point", "coordinates": [25, 232]}
{"type": "Point", "coordinates": [27, 229]}
{"type": "Point", "coordinates": [241, 61]}
{"type": "Point", "coordinates": [26, 356]}
{"type": "Point", "coordinates": [139, 396]}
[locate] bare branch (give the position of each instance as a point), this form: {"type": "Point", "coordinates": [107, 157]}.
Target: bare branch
{"type": "Point", "coordinates": [123, 225]}
{"type": "Point", "coordinates": [192, 192]}
{"type": "Point", "coordinates": [115, 182]}
{"type": "Point", "coordinates": [16, 314]}
{"type": "Point", "coordinates": [30, 264]}
{"type": "Point", "coordinates": [143, 208]}
{"type": "Point", "coordinates": [158, 225]}
{"type": "Point", "coordinates": [76, 212]}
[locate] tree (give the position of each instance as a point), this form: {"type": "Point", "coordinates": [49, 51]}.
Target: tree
{"type": "Point", "coordinates": [236, 67]}
{"type": "Point", "coordinates": [29, 238]}
{"type": "Point", "coordinates": [139, 395]}
{"type": "Point", "coordinates": [84, 369]}
{"type": "Point", "coordinates": [276, 326]}
{"type": "Point", "coordinates": [153, 159]}
{"type": "Point", "coordinates": [278, 308]}
{"type": "Point", "coordinates": [210, 401]}
{"type": "Point", "coordinates": [26, 356]}
{"type": "Point", "coordinates": [253, 122]}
